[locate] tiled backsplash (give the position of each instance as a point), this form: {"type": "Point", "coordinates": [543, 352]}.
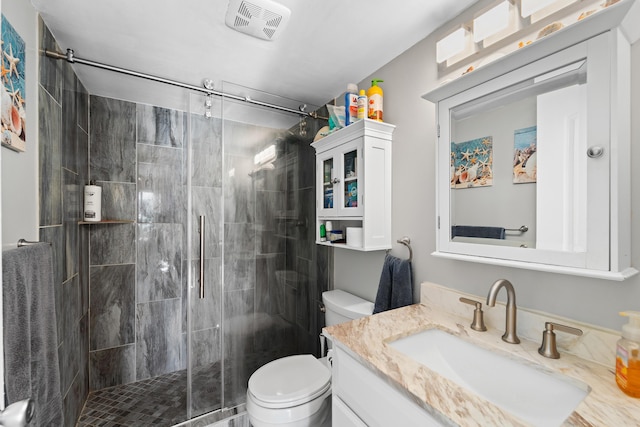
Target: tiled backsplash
{"type": "Point", "coordinates": [596, 344]}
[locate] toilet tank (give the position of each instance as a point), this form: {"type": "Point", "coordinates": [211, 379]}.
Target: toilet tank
{"type": "Point", "coordinates": [342, 307]}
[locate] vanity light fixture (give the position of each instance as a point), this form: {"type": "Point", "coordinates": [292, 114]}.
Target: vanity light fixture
{"type": "Point", "coordinates": [451, 45]}
{"type": "Point", "coordinates": [491, 22]}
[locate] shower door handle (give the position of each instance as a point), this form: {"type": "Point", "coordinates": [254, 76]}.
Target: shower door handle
{"type": "Point", "coordinates": [201, 278]}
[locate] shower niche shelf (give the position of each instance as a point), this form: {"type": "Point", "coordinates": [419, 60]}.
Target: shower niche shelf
{"type": "Point", "coordinates": [107, 221]}
{"type": "Point", "coordinates": [353, 183]}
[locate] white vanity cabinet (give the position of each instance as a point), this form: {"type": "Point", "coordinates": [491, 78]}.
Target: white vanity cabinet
{"type": "Point", "coordinates": [361, 398]}
{"type": "Point", "coordinates": [541, 138]}
{"type": "Point", "coordinates": [353, 182]}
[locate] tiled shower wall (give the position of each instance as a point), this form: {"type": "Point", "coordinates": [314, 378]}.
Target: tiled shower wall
{"type": "Point", "coordinates": [63, 154]}
{"type": "Point", "coordinates": [261, 221]}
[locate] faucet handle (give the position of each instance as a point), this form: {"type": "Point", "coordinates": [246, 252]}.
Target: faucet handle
{"type": "Point", "coordinates": [548, 347]}
{"type": "Point", "coordinates": [478, 319]}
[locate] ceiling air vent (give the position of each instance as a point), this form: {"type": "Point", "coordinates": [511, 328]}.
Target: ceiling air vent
{"type": "Point", "coordinates": [264, 19]}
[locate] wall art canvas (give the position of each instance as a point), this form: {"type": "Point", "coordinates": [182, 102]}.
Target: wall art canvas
{"type": "Point", "coordinates": [13, 88]}
{"type": "Point", "coordinates": [472, 163]}
{"type": "Point", "coordinates": [525, 166]}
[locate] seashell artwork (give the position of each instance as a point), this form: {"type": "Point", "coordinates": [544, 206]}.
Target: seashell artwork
{"type": "Point", "coordinates": [525, 166]}
{"type": "Point", "coordinates": [472, 163]}
{"type": "Point", "coordinates": [12, 113]}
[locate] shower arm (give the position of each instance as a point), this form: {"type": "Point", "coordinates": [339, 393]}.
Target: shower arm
{"type": "Point", "coordinates": [70, 57]}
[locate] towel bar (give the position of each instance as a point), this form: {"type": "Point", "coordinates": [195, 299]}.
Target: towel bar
{"type": "Point", "coordinates": [522, 229]}
{"type": "Point", "coordinates": [24, 242]}
{"type": "Point", "coordinates": [407, 242]}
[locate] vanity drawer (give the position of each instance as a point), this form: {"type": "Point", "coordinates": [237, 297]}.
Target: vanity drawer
{"type": "Point", "coordinates": [372, 399]}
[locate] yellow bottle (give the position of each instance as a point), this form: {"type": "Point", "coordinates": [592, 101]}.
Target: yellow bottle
{"type": "Point", "coordinates": [375, 100]}
{"type": "Point", "coordinates": [628, 355]}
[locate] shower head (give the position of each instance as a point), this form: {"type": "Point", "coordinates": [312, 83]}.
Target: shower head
{"type": "Point", "coordinates": [264, 19]}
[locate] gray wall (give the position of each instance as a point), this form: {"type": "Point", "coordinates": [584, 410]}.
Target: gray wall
{"type": "Point", "coordinates": [20, 170]}
{"type": "Point", "coordinates": [406, 78]}
{"type": "Point", "coordinates": [63, 169]}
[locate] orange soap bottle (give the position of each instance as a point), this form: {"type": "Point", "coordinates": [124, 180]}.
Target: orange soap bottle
{"type": "Point", "coordinates": [628, 355]}
{"type": "Point", "coordinates": [375, 95]}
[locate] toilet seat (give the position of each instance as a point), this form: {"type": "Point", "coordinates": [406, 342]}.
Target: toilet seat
{"type": "Point", "coordinates": [289, 381]}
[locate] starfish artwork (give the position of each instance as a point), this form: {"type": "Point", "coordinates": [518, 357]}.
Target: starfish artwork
{"type": "Point", "coordinates": [472, 163]}
{"type": "Point", "coordinates": [13, 111]}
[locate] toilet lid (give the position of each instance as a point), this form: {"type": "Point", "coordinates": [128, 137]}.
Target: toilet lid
{"type": "Point", "coordinates": [290, 381]}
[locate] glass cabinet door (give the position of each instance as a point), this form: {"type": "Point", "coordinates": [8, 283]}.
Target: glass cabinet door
{"type": "Point", "coordinates": [351, 201]}
{"type": "Point", "coordinates": [327, 183]}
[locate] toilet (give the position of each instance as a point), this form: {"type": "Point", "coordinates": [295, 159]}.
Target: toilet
{"type": "Point", "coordinates": [295, 391]}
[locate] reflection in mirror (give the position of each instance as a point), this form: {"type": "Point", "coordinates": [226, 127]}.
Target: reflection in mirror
{"type": "Point", "coordinates": [518, 173]}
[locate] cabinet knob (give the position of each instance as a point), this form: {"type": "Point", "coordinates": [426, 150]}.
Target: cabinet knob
{"type": "Point", "coordinates": [595, 151]}
{"type": "Point", "coordinates": [335, 180]}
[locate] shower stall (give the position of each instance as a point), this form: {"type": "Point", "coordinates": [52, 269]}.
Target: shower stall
{"type": "Point", "coordinates": [214, 270]}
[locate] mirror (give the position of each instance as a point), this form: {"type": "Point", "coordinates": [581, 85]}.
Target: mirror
{"type": "Point", "coordinates": [517, 166]}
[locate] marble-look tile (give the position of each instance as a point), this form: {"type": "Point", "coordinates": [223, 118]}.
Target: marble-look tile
{"type": "Point", "coordinates": [206, 313]}
{"type": "Point", "coordinates": [158, 338]}
{"type": "Point", "coordinates": [239, 238]}
{"type": "Point", "coordinates": [239, 322]}
{"type": "Point", "coordinates": [206, 151]}
{"type": "Point", "coordinates": [83, 268]}
{"type": "Point", "coordinates": [55, 236]}
{"type": "Point", "coordinates": [208, 203]}
{"type": "Point", "coordinates": [268, 288]}
{"type": "Point", "coordinates": [112, 140]}
{"type": "Point", "coordinates": [72, 201]}
{"type": "Point", "coordinates": [83, 156]}
{"type": "Point", "coordinates": [112, 244]}
{"type": "Point", "coordinates": [239, 271]}
{"type": "Point", "coordinates": [69, 307]}
{"type": "Point", "coordinates": [82, 102]}
{"type": "Point", "coordinates": [205, 347]}
{"type": "Point", "coordinates": [50, 69]}
{"type": "Point", "coordinates": [306, 164]}
{"type": "Point", "coordinates": [306, 233]}
{"type": "Point", "coordinates": [159, 262]}
{"type": "Point", "coordinates": [159, 126]}
{"type": "Point", "coordinates": [269, 239]}
{"type": "Point", "coordinates": [112, 306]}
{"type": "Point", "coordinates": [118, 200]}
{"type": "Point", "coordinates": [160, 189]}
{"type": "Point", "coordinates": [69, 357]}
{"type": "Point", "coordinates": [75, 397]}
{"type": "Point", "coordinates": [112, 367]}
{"type": "Point", "coordinates": [49, 149]}
{"type": "Point", "coordinates": [239, 194]}
{"type": "Point", "coordinates": [69, 119]}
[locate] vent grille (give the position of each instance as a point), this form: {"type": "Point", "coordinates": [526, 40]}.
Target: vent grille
{"type": "Point", "coordinates": [264, 19]}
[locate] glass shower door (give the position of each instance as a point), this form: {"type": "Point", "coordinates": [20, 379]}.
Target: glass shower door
{"type": "Point", "coordinates": [204, 266]}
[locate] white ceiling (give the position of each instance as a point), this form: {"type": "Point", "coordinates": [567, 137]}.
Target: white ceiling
{"type": "Point", "coordinates": [327, 43]}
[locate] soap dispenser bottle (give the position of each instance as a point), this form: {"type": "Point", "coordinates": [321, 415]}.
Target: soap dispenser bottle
{"type": "Point", "coordinates": [628, 355]}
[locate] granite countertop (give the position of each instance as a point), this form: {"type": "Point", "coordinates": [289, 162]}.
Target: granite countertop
{"type": "Point", "coordinates": [366, 339]}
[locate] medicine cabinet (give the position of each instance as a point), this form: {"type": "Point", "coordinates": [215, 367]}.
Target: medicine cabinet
{"type": "Point", "coordinates": [353, 182]}
{"type": "Point", "coordinates": [533, 165]}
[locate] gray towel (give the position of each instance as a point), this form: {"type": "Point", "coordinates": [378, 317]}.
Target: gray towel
{"type": "Point", "coordinates": [30, 337]}
{"type": "Point", "coordinates": [474, 231]}
{"type": "Point", "coordinates": [396, 285]}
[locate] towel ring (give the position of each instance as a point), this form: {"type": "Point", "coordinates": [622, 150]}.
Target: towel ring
{"type": "Point", "coordinates": [407, 242]}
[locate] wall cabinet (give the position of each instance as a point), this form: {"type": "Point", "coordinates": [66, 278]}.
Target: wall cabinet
{"type": "Point", "coordinates": [353, 182]}
{"type": "Point", "coordinates": [541, 139]}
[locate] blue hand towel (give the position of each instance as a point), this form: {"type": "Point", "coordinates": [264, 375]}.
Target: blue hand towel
{"type": "Point", "coordinates": [474, 231]}
{"type": "Point", "coordinates": [30, 333]}
{"type": "Point", "coordinates": [396, 285]}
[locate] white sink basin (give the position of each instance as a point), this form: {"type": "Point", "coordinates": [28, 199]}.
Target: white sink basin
{"type": "Point", "coordinates": [533, 396]}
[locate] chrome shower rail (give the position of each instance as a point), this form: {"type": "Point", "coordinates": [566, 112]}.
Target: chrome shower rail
{"type": "Point", "coordinates": [70, 57]}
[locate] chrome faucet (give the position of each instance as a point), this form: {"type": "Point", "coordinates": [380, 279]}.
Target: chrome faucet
{"type": "Point", "coordinates": [510, 335]}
